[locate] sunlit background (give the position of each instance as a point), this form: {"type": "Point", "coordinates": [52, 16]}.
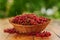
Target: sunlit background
{"type": "Point", "coordinates": [47, 8]}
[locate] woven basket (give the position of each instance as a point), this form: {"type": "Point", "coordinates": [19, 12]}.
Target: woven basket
{"type": "Point", "coordinates": [29, 28]}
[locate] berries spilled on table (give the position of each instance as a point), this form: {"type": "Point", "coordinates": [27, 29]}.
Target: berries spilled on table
{"type": "Point", "coordinates": [42, 34]}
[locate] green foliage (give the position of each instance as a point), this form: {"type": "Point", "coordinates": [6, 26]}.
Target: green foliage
{"type": "Point", "coordinates": [2, 14]}
{"type": "Point", "coordinates": [50, 3]}
{"type": "Point", "coordinates": [3, 5]}
{"type": "Point", "coordinates": [17, 8]}
{"type": "Point", "coordinates": [20, 6]}
{"type": "Point", "coordinates": [57, 15]}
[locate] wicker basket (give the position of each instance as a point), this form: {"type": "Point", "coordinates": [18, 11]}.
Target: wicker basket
{"type": "Point", "coordinates": [29, 28]}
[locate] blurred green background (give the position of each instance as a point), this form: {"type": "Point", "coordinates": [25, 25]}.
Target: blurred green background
{"type": "Point", "coordinates": [47, 8]}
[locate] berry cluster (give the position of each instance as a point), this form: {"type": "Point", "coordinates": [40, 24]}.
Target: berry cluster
{"type": "Point", "coordinates": [11, 31]}
{"type": "Point", "coordinates": [29, 19]}
{"type": "Point", "coordinates": [42, 34]}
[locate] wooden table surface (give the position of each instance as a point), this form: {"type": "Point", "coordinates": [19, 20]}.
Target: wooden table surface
{"type": "Point", "coordinates": [53, 27]}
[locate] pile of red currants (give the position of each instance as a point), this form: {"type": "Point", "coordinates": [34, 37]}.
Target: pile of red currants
{"type": "Point", "coordinates": [29, 19]}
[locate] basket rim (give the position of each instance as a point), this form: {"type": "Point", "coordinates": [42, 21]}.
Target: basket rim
{"type": "Point", "coordinates": [10, 20]}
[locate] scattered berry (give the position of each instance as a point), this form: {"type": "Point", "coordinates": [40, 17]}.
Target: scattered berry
{"type": "Point", "coordinates": [42, 34]}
